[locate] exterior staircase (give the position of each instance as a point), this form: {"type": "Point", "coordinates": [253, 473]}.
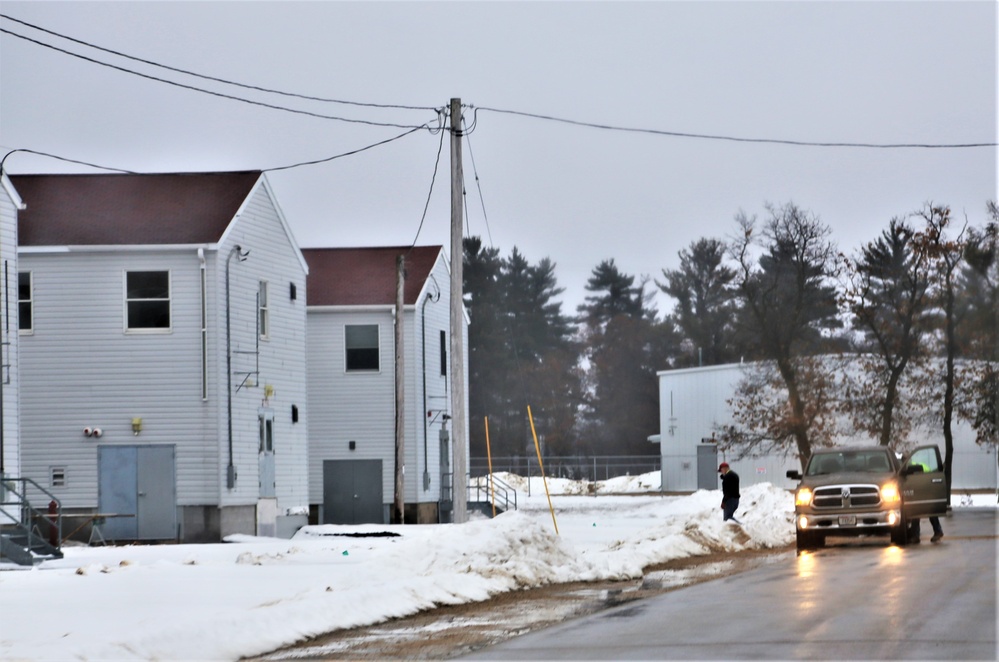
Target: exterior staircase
{"type": "Point", "coordinates": [479, 496]}
{"type": "Point", "coordinates": [28, 535]}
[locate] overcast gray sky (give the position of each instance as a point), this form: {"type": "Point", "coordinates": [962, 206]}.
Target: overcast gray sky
{"type": "Point", "coordinates": [858, 72]}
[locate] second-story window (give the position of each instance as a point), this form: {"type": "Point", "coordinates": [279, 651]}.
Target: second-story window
{"type": "Point", "coordinates": [265, 316]}
{"type": "Point", "coordinates": [361, 341]}
{"type": "Point", "coordinates": [147, 300]}
{"type": "Point", "coordinates": [443, 354]}
{"type": "Point", "coordinates": [25, 309]}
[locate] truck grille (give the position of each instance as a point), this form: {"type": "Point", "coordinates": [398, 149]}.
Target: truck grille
{"type": "Point", "coordinates": [846, 496]}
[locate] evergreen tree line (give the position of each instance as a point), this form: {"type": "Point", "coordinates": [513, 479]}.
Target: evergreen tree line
{"type": "Point", "coordinates": [916, 310]}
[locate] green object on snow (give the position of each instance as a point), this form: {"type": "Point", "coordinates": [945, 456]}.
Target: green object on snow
{"type": "Point", "coordinates": [345, 553]}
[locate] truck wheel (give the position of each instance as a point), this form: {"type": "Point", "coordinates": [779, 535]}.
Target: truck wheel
{"type": "Point", "coordinates": [900, 534]}
{"type": "Point", "coordinates": [805, 540]}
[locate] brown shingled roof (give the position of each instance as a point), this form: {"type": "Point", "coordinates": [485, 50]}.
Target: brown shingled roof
{"type": "Point", "coordinates": [365, 276]}
{"type": "Point", "coordinates": [109, 209]}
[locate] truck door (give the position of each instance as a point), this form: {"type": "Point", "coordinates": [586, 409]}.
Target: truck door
{"type": "Point", "coordinates": [924, 492]}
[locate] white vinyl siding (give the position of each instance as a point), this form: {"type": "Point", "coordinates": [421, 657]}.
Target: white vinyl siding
{"type": "Point", "coordinates": [9, 323]}
{"type": "Point", "coordinates": [83, 372]}
{"type": "Point", "coordinates": [360, 406]}
{"type": "Point", "coordinates": [278, 363]}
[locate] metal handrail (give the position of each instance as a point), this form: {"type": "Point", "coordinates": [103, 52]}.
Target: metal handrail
{"type": "Point", "coordinates": [29, 517]}
{"type": "Point", "coordinates": [506, 496]}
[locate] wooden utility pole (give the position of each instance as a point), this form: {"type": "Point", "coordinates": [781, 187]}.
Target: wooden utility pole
{"type": "Point", "coordinates": [398, 510]}
{"type": "Point", "coordinates": [458, 491]}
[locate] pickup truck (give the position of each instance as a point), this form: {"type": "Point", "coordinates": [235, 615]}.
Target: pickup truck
{"type": "Point", "coordinates": [859, 491]}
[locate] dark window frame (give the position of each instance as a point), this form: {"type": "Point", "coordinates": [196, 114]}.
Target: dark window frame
{"type": "Point", "coordinates": [25, 307]}
{"type": "Point", "coordinates": [360, 355]}
{"type": "Point", "coordinates": [443, 353]}
{"type": "Point", "coordinates": [147, 302]}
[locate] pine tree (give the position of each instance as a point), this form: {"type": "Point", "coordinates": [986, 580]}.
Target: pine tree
{"type": "Point", "coordinates": [620, 337]}
{"type": "Point", "coordinates": [889, 298]}
{"type": "Point", "coordinates": [705, 304]}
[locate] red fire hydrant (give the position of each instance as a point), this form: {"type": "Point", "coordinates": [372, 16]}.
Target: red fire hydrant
{"type": "Point", "coordinates": [53, 525]}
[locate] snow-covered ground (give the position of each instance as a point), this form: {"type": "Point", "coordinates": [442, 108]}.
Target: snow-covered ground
{"type": "Point", "coordinates": [252, 595]}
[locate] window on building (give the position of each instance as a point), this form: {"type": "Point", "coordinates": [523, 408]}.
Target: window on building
{"type": "Point", "coordinates": [25, 309]}
{"type": "Point", "coordinates": [266, 431]}
{"type": "Point", "coordinates": [147, 300]}
{"type": "Point", "coordinates": [443, 354]}
{"type": "Point", "coordinates": [265, 317]}
{"type": "Point", "coordinates": [362, 346]}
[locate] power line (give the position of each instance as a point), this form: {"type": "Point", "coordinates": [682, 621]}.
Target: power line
{"type": "Point", "coordinates": [63, 158]}
{"type": "Point", "coordinates": [212, 78]}
{"type": "Point", "coordinates": [433, 179]}
{"type": "Point", "coordinates": [478, 184]}
{"type": "Point", "coordinates": [350, 153]}
{"type": "Point", "coordinates": [608, 127]}
{"type": "Point", "coordinates": [274, 169]}
{"type": "Point", "coordinates": [708, 136]}
{"type": "Point", "coordinates": [205, 91]}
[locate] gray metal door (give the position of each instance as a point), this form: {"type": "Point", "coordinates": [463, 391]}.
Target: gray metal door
{"type": "Point", "coordinates": [138, 485]}
{"type": "Point", "coordinates": [352, 492]}
{"type": "Point", "coordinates": [117, 493]}
{"type": "Point", "coordinates": [157, 493]}
{"type": "Point", "coordinates": [707, 467]}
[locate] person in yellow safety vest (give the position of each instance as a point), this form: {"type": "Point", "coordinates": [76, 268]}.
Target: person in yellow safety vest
{"type": "Point", "coordinates": [934, 521]}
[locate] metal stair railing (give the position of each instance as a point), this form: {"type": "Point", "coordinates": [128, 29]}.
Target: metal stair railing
{"type": "Point", "coordinates": [22, 540]}
{"type": "Point", "coordinates": [506, 496]}
{"type": "Point", "coordinates": [479, 493]}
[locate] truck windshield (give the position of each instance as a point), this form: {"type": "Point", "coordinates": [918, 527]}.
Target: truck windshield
{"type": "Point", "coordinates": [848, 461]}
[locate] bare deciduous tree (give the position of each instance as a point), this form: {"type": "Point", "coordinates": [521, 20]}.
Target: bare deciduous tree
{"type": "Point", "coordinates": [788, 308]}
{"type": "Point", "coordinates": [888, 294]}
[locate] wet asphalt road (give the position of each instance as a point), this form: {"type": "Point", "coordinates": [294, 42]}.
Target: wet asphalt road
{"type": "Point", "coordinates": [860, 599]}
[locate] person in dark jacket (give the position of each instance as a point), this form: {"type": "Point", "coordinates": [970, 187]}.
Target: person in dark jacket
{"type": "Point", "coordinates": [730, 492]}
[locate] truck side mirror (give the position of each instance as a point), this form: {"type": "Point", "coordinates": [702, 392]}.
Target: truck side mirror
{"type": "Point", "coordinates": [794, 474]}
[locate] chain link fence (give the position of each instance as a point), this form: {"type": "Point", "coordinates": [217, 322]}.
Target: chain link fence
{"type": "Point", "coordinates": [572, 467]}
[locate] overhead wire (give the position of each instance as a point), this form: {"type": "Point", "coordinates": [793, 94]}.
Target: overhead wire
{"type": "Point", "coordinates": [433, 179]}
{"type": "Point", "coordinates": [540, 116]}
{"type": "Point", "coordinates": [212, 78]}
{"type": "Point", "coordinates": [350, 153]}
{"type": "Point", "coordinates": [478, 184]}
{"type": "Point", "coordinates": [63, 158]}
{"type": "Point", "coordinates": [708, 136]}
{"type": "Point", "coordinates": [510, 320]}
{"type": "Point", "coordinates": [271, 169]}
{"type": "Point", "coordinates": [207, 91]}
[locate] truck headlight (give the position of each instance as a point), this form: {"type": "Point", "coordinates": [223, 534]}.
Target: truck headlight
{"type": "Point", "coordinates": [803, 497]}
{"type": "Point", "coordinates": [889, 493]}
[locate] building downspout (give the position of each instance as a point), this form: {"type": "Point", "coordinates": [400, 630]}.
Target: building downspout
{"type": "Point", "coordinates": [6, 334]}
{"type": "Point", "coordinates": [230, 468]}
{"type": "Point", "coordinates": [426, 422]}
{"type": "Point", "coordinates": [203, 284]}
